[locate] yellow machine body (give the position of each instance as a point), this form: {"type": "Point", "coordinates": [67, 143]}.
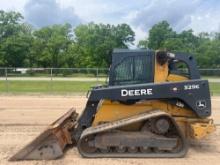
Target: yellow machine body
{"type": "Point", "coordinates": [191, 126]}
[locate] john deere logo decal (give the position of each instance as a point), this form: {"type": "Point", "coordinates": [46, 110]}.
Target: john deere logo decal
{"type": "Point", "coordinates": [201, 104]}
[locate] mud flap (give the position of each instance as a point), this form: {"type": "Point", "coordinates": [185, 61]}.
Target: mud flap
{"type": "Point", "coordinates": [51, 143]}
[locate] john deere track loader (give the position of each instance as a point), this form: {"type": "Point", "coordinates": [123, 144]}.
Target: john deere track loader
{"type": "Point", "coordinates": [154, 103]}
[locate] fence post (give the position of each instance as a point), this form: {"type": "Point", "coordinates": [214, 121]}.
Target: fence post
{"type": "Point", "coordinates": [51, 79]}
{"type": "Point", "coordinates": [6, 79]}
{"type": "Point", "coordinates": [97, 75]}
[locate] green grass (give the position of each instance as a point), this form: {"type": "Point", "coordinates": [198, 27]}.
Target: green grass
{"type": "Point", "coordinates": [210, 77]}
{"type": "Point", "coordinates": [214, 88]}
{"type": "Point", "coordinates": [62, 87]}
{"type": "Point", "coordinates": [46, 86]}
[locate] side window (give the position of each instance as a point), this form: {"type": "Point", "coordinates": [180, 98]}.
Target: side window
{"type": "Point", "coordinates": [140, 68]}
{"type": "Point", "coordinates": [179, 68]}
{"type": "Point", "coordinates": [124, 71]}
{"type": "Point", "coordinates": [133, 70]}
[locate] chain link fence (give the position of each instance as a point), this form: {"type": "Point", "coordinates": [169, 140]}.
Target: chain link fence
{"type": "Point", "coordinates": [70, 80]}
{"type": "Point", "coordinates": [51, 80]}
{"type": "Point", "coordinates": [53, 72]}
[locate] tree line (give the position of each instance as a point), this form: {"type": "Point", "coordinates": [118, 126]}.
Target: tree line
{"type": "Point", "coordinates": [204, 46]}
{"type": "Point", "coordinates": [91, 45]}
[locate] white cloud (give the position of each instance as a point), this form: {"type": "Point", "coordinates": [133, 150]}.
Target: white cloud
{"type": "Point", "coordinates": [15, 5]}
{"type": "Point", "coordinates": [206, 20]}
{"type": "Point", "coordinates": [98, 10]}
{"type": "Point", "coordinates": [48, 12]}
{"type": "Point", "coordinates": [176, 12]}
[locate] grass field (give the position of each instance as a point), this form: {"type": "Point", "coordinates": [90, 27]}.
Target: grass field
{"type": "Point", "coordinates": [46, 86]}
{"type": "Point", "coordinates": [66, 87]}
{"type": "Point", "coordinates": [215, 88]}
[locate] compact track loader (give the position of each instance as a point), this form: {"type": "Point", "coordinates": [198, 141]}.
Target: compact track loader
{"type": "Point", "coordinates": [154, 103]}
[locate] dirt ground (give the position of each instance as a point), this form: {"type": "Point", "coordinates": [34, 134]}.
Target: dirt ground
{"type": "Point", "coordinates": [24, 117]}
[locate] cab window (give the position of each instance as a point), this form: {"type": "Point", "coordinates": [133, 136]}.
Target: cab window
{"type": "Point", "coordinates": [133, 70]}
{"type": "Point", "coordinates": [179, 68]}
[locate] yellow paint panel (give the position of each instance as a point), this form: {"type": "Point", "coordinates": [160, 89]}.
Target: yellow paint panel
{"type": "Point", "coordinates": [201, 130]}
{"type": "Point", "coordinates": [176, 78]}
{"type": "Point", "coordinates": [111, 111]}
{"type": "Point", "coordinates": [161, 72]}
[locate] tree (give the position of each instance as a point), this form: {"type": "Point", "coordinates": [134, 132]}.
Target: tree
{"type": "Point", "coordinates": [14, 39]}
{"type": "Point", "coordinates": [9, 23]}
{"type": "Point", "coordinates": [50, 45]}
{"type": "Point", "coordinates": [174, 44]}
{"type": "Point", "coordinates": [143, 44]}
{"type": "Point", "coordinates": [189, 40]}
{"type": "Point", "coordinates": [208, 54]}
{"type": "Point", "coordinates": [95, 42]}
{"type": "Point", "coordinates": [185, 41]}
{"type": "Point", "coordinates": [159, 33]}
{"type": "Point", "coordinates": [91, 45]}
{"type": "Point", "coordinates": [205, 46]}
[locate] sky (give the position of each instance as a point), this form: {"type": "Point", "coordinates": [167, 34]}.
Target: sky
{"type": "Point", "coordinates": [141, 15]}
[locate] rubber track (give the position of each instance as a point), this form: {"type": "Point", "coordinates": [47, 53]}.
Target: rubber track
{"type": "Point", "coordinates": [119, 123]}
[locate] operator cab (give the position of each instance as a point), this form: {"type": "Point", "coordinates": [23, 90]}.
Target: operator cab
{"type": "Point", "coordinates": [140, 66]}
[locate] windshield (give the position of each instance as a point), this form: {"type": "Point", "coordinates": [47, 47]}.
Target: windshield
{"type": "Point", "coordinates": [133, 70]}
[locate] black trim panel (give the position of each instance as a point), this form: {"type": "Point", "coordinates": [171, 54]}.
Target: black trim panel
{"type": "Point", "coordinates": [176, 90]}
